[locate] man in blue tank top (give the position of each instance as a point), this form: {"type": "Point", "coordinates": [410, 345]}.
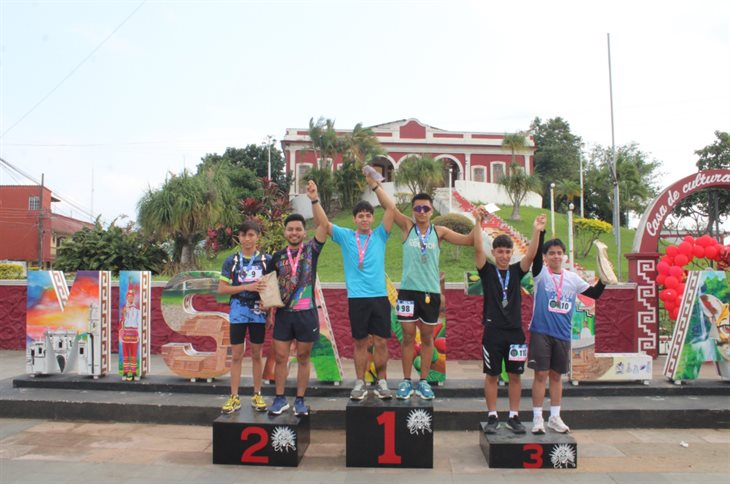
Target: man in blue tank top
{"type": "Point", "coordinates": [419, 297]}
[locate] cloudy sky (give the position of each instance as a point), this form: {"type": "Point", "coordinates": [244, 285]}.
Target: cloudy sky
{"type": "Point", "coordinates": [136, 90]}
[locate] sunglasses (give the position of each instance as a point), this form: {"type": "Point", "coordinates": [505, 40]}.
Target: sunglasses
{"type": "Point", "coordinates": [422, 208]}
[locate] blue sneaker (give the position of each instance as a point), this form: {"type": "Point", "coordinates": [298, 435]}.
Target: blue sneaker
{"type": "Point", "coordinates": [423, 390]}
{"type": "Point", "coordinates": [405, 390]}
{"type": "Point", "coordinates": [278, 405]}
{"type": "Point", "coordinates": [300, 408]}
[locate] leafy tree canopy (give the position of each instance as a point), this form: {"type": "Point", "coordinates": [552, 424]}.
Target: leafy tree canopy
{"type": "Point", "coordinates": [557, 156]}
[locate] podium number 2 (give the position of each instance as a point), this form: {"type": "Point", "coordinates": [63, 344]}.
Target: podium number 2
{"type": "Point", "coordinates": [535, 454]}
{"type": "Point", "coordinates": [248, 454]}
{"type": "Point", "coordinates": [387, 420]}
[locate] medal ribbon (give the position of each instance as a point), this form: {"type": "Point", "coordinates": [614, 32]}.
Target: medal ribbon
{"type": "Point", "coordinates": [558, 287]}
{"type": "Point", "coordinates": [294, 263]}
{"type": "Point", "coordinates": [504, 282]}
{"type": "Point", "coordinates": [422, 240]}
{"type": "Point", "coordinates": [361, 250]}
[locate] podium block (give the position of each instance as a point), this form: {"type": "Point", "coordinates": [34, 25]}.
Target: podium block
{"type": "Point", "coordinates": [389, 433]}
{"type": "Point", "coordinates": [248, 437]}
{"type": "Point", "coordinates": [506, 449]}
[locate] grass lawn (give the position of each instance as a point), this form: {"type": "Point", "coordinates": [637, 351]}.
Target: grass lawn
{"type": "Point", "coordinates": [454, 260]}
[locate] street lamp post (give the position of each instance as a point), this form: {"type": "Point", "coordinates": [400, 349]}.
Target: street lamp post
{"type": "Point", "coordinates": [571, 207]}
{"type": "Point", "coordinates": [552, 208]}
{"type": "Point", "coordinates": [450, 209]}
{"type": "Point", "coordinates": [269, 140]}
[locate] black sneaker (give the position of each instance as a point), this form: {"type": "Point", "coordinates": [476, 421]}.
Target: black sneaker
{"type": "Point", "coordinates": [515, 425]}
{"type": "Point", "coordinates": [492, 425]}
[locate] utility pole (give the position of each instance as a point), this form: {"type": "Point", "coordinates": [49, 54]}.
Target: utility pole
{"type": "Point", "coordinates": [40, 226]}
{"type": "Point", "coordinates": [616, 206]}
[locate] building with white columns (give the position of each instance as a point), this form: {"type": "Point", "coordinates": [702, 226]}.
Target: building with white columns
{"type": "Point", "coordinates": [470, 156]}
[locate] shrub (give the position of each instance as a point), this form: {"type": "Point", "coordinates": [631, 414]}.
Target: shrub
{"type": "Point", "coordinates": [456, 222]}
{"type": "Point", "coordinates": [587, 230]}
{"type": "Point", "coordinates": [112, 249]}
{"type": "Point", "coordinates": [11, 271]}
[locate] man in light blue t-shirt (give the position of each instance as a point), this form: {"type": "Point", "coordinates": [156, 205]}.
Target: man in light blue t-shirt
{"type": "Point", "coordinates": [363, 253]}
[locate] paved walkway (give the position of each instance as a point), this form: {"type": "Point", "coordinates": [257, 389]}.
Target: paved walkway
{"type": "Point", "coordinates": [58, 452]}
{"type": "Point", "coordinates": [38, 451]}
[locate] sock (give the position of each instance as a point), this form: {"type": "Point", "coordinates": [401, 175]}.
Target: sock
{"type": "Point", "coordinates": [555, 411]}
{"type": "Point", "coordinates": [536, 412]}
{"type": "Point", "coordinates": [282, 396]}
{"type": "Point", "coordinates": [406, 379]}
{"type": "Point", "coordinates": [298, 396]}
{"type": "Point", "coordinates": [422, 379]}
{"type": "Point", "coordinates": [492, 414]}
{"type": "Point", "coordinates": [512, 414]}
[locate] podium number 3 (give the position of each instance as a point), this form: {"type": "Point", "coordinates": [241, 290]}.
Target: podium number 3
{"type": "Point", "coordinates": [248, 454]}
{"type": "Point", "coordinates": [387, 420]}
{"type": "Point", "coordinates": [535, 455]}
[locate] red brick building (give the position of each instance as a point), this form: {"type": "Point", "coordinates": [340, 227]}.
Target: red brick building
{"type": "Point", "coordinates": [470, 156]}
{"type": "Point", "coordinates": [23, 208]}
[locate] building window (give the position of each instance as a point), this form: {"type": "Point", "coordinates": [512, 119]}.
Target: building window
{"type": "Point", "coordinates": [302, 172]}
{"type": "Point", "coordinates": [34, 203]}
{"type": "Point", "coordinates": [498, 171]}
{"type": "Point", "coordinates": [479, 174]}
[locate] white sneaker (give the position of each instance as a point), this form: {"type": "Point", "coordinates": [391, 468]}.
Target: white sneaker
{"type": "Point", "coordinates": [556, 423]}
{"type": "Point", "coordinates": [538, 425]}
{"type": "Point", "coordinates": [359, 392]}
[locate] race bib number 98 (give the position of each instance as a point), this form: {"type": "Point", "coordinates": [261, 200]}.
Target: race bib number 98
{"type": "Point", "coordinates": [517, 352]}
{"type": "Point", "coordinates": [404, 308]}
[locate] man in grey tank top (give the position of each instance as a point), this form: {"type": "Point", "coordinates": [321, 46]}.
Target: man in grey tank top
{"type": "Point", "coordinates": [419, 297]}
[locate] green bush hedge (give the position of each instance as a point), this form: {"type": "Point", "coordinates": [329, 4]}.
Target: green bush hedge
{"type": "Point", "coordinates": [11, 271]}
{"type": "Point", "coordinates": [456, 222]}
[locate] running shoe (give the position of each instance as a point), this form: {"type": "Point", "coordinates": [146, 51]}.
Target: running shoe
{"type": "Point", "coordinates": [382, 391]}
{"type": "Point", "coordinates": [514, 424]}
{"type": "Point", "coordinates": [538, 425]}
{"type": "Point", "coordinates": [492, 425]}
{"type": "Point", "coordinates": [300, 408]}
{"type": "Point", "coordinates": [257, 402]}
{"type": "Point", "coordinates": [359, 392]}
{"type": "Point", "coordinates": [556, 423]}
{"type": "Point", "coordinates": [278, 405]}
{"type": "Point", "coordinates": [423, 390]}
{"type": "Point", "coordinates": [232, 404]}
{"type": "Point", "coordinates": [405, 390]}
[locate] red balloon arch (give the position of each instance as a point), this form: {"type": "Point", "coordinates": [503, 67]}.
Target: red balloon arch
{"type": "Point", "coordinates": [672, 267]}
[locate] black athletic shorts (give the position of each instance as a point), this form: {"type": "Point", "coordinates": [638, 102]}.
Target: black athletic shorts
{"type": "Point", "coordinates": [256, 333]}
{"type": "Point", "coordinates": [411, 306]}
{"type": "Point", "coordinates": [506, 345]}
{"type": "Point", "coordinates": [548, 353]}
{"type": "Point", "coordinates": [299, 325]}
{"type": "Point", "coordinates": [369, 315]}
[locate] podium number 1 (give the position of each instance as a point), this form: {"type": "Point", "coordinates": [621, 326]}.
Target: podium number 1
{"type": "Point", "coordinates": [248, 454]}
{"type": "Point", "coordinates": [387, 420]}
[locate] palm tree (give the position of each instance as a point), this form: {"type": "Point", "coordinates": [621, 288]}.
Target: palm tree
{"type": "Point", "coordinates": [323, 137]}
{"type": "Point", "coordinates": [421, 174]}
{"type": "Point", "coordinates": [518, 184]}
{"type": "Point", "coordinates": [514, 142]}
{"type": "Point", "coordinates": [361, 145]}
{"type": "Point", "coordinates": [184, 208]}
{"type": "Point", "coordinates": [570, 189]}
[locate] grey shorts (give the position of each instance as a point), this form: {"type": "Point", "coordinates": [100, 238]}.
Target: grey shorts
{"type": "Point", "coordinates": [548, 353]}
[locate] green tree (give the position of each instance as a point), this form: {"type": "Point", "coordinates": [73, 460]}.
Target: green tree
{"type": "Point", "coordinates": [357, 148]}
{"type": "Point", "coordinates": [112, 249]}
{"type": "Point", "coordinates": [184, 208]}
{"type": "Point", "coordinates": [514, 142]}
{"type": "Point", "coordinates": [323, 137]}
{"type": "Point", "coordinates": [557, 154]}
{"type": "Point", "coordinates": [587, 231]}
{"type": "Point", "coordinates": [712, 204]}
{"type": "Point", "coordinates": [567, 190]}
{"type": "Point", "coordinates": [637, 180]}
{"type": "Point", "coordinates": [518, 184]}
{"type": "Point", "coordinates": [421, 174]}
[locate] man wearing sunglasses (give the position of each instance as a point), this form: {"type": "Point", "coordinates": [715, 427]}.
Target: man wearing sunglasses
{"type": "Point", "coordinates": [419, 297]}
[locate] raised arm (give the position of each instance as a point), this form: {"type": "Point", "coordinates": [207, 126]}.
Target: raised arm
{"type": "Point", "coordinates": [480, 256]}
{"type": "Point", "coordinates": [455, 238]}
{"type": "Point", "coordinates": [537, 227]}
{"type": "Point", "coordinates": [324, 226]}
{"type": "Point", "coordinates": [387, 202]}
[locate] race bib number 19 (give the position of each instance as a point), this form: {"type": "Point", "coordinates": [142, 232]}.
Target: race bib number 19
{"type": "Point", "coordinates": [404, 308]}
